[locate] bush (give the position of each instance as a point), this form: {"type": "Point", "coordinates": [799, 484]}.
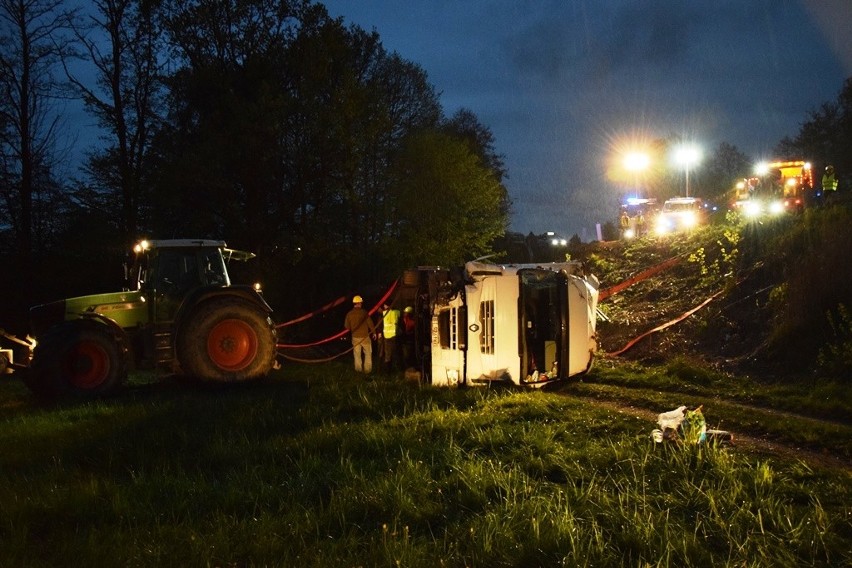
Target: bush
{"type": "Point", "coordinates": [835, 357]}
{"type": "Point", "coordinates": [812, 258]}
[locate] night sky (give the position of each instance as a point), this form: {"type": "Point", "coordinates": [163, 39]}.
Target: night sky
{"type": "Point", "coordinates": [565, 84]}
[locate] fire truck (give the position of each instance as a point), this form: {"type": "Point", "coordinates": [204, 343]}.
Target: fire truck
{"type": "Point", "coordinates": [790, 183]}
{"type": "Point", "coordinates": [516, 324]}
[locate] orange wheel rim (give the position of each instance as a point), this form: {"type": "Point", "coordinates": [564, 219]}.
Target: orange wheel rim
{"type": "Point", "coordinates": [86, 365]}
{"type": "Point", "coordinates": [232, 345]}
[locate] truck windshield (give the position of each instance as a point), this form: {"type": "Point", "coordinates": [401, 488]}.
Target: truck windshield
{"type": "Point", "coordinates": [543, 305]}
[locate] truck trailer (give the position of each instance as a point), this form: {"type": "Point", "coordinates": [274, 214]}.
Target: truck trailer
{"type": "Point", "coordinates": [520, 324]}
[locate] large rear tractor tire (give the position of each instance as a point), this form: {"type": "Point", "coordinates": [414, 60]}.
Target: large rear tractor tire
{"type": "Point", "coordinates": [76, 359]}
{"type": "Point", "coordinates": [227, 340]}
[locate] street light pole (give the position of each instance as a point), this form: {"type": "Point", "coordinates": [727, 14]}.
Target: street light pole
{"type": "Point", "coordinates": [687, 156]}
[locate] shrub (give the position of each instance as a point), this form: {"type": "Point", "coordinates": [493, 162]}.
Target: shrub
{"type": "Point", "coordinates": [835, 357]}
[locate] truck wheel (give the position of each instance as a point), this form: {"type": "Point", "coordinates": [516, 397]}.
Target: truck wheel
{"type": "Point", "coordinates": [227, 340]}
{"type": "Point", "coordinates": [77, 360]}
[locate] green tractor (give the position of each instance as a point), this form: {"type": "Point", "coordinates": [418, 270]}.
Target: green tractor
{"type": "Point", "coordinates": [180, 313]}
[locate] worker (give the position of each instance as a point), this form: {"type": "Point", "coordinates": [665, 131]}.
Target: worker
{"type": "Point", "coordinates": [829, 184]}
{"type": "Point", "coordinates": [389, 333]}
{"type": "Point", "coordinates": [624, 221]}
{"type": "Point", "coordinates": [408, 337]}
{"type": "Point", "coordinates": [363, 330]}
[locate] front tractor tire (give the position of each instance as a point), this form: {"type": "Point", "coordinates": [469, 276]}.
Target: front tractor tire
{"type": "Point", "coordinates": [77, 359]}
{"type": "Point", "coordinates": [227, 340]}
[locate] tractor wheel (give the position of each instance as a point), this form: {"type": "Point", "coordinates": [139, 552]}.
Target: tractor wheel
{"type": "Point", "coordinates": [78, 360]}
{"type": "Point", "coordinates": [227, 340]}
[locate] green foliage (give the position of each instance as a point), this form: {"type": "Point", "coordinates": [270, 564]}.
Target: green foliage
{"type": "Point", "coordinates": [835, 357]}
{"type": "Point", "coordinates": [599, 264]}
{"type": "Point", "coordinates": [463, 213]}
{"type": "Point", "coordinates": [718, 265]}
{"type": "Point", "coordinates": [811, 258]}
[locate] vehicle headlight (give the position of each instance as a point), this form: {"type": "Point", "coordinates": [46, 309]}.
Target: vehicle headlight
{"type": "Point", "coordinates": [751, 209]}
{"type": "Point", "coordinates": [690, 219]}
{"type": "Point", "coordinates": [776, 207]}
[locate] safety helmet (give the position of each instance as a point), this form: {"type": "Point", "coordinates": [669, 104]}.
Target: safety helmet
{"type": "Point", "coordinates": [408, 309]}
{"type": "Point", "coordinates": [829, 168]}
{"type": "Point", "coordinates": [357, 300]}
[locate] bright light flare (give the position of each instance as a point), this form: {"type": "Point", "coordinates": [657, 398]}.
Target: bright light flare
{"type": "Point", "coordinates": [752, 209]}
{"type": "Point", "coordinates": [687, 155]}
{"type": "Point", "coordinates": [636, 161]}
{"type": "Point", "coordinates": [776, 207]}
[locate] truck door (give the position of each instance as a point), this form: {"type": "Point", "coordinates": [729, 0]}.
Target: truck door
{"type": "Point", "coordinates": [544, 314]}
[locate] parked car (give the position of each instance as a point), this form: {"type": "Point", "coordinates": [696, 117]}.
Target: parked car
{"type": "Point", "coordinates": [680, 213]}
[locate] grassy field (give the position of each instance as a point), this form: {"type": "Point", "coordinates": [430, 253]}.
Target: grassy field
{"type": "Point", "coordinates": [318, 467]}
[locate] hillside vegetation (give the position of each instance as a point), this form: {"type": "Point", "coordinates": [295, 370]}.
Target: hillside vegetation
{"type": "Point", "coordinates": [779, 287]}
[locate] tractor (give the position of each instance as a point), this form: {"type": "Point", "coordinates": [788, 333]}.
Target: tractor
{"type": "Point", "coordinates": [179, 312]}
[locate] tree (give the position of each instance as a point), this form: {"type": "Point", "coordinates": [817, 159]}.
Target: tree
{"type": "Point", "coordinates": [451, 205]}
{"type": "Point", "coordinates": [31, 32]}
{"type": "Point", "coordinates": [123, 98]}
{"type": "Point", "coordinates": [721, 170]}
{"type": "Point", "coordinates": [825, 138]}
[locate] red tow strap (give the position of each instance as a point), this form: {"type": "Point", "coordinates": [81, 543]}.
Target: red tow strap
{"type": "Point", "coordinates": [645, 274]}
{"type": "Point", "coordinates": [340, 333]}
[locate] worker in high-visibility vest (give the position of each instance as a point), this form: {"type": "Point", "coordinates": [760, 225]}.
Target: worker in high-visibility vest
{"type": "Point", "coordinates": [624, 221]}
{"type": "Point", "coordinates": [390, 331]}
{"type": "Point", "coordinates": [829, 183]}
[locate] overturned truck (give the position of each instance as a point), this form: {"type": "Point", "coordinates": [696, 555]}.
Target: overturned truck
{"type": "Point", "coordinates": [522, 324]}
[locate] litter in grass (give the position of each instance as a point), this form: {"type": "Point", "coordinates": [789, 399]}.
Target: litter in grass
{"type": "Point", "coordinates": [687, 426]}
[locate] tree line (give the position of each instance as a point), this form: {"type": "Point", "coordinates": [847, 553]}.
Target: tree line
{"type": "Point", "coordinates": [266, 123]}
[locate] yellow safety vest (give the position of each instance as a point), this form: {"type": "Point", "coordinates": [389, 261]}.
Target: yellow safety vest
{"type": "Point", "coordinates": [391, 321]}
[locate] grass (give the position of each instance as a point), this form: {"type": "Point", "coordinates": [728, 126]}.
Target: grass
{"type": "Point", "coordinates": [317, 467]}
{"type": "Point", "coordinates": [809, 413]}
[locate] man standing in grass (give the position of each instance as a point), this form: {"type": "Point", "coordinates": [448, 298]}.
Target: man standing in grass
{"type": "Point", "coordinates": [363, 330]}
{"type": "Point", "coordinates": [389, 333]}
